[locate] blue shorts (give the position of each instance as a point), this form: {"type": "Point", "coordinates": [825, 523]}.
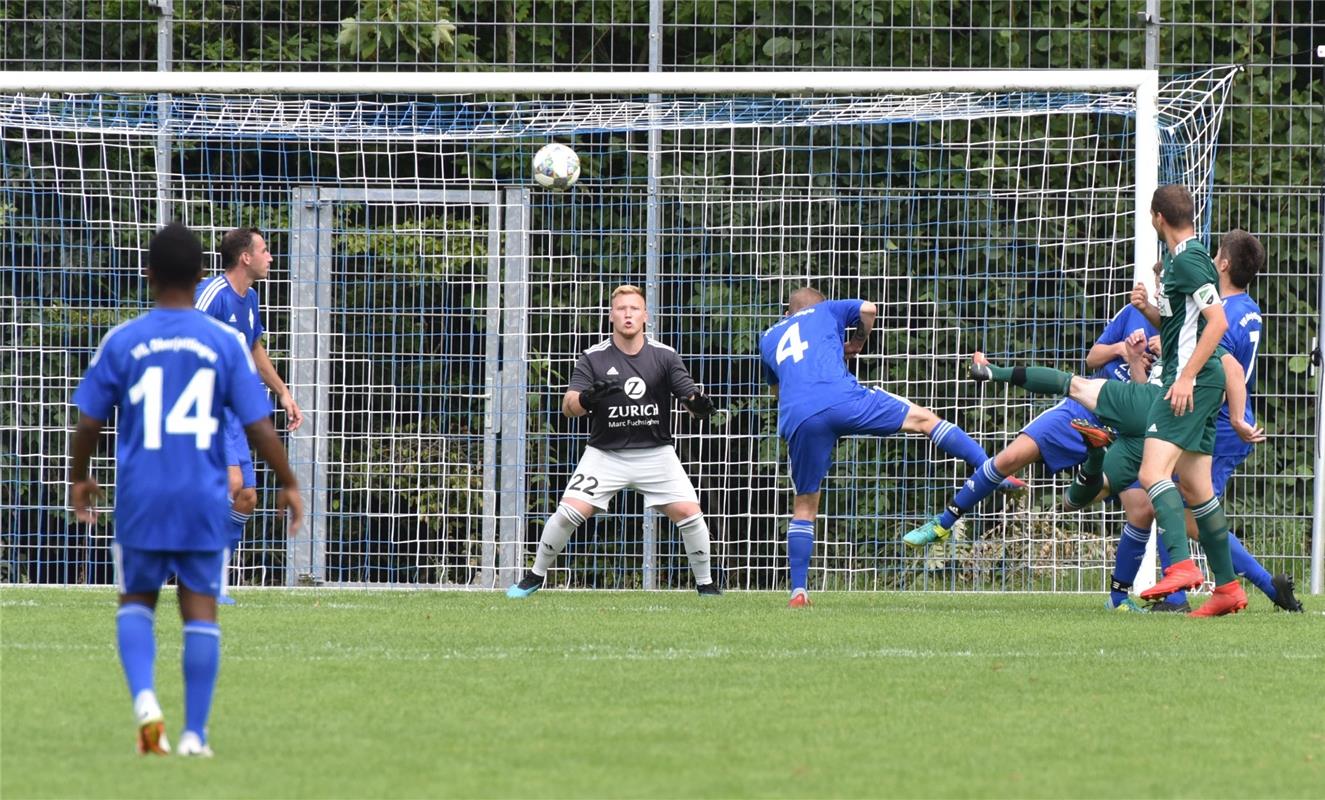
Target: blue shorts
{"type": "Point", "coordinates": [1060, 447]}
{"type": "Point", "coordinates": [1221, 469]}
{"type": "Point", "coordinates": [144, 571]}
{"type": "Point", "coordinates": [237, 452]}
{"type": "Point", "coordinates": [879, 413]}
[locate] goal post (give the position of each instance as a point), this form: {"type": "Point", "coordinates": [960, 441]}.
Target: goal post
{"type": "Point", "coordinates": [427, 304]}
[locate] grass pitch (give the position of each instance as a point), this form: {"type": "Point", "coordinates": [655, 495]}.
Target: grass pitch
{"type": "Point", "coordinates": [605, 694]}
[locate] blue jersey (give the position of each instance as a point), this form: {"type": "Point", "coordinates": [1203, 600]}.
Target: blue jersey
{"type": "Point", "coordinates": [1241, 340]}
{"type": "Point", "coordinates": [1123, 324]}
{"type": "Point", "coordinates": [170, 373]}
{"type": "Point", "coordinates": [803, 356]}
{"type": "Point", "coordinates": [215, 298]}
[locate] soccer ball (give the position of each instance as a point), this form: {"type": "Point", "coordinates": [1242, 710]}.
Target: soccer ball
{"type": "Point", "coordinates": [556, 167]}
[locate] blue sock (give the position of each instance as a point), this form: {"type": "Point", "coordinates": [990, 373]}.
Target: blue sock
{"type": "Point", "coordinates": [982, 483]}
{"type": "Point", "coordinates": [1127, 562]}
{"type": "Point", "coordinates": [202, 660]}
{"type": "Point", "coordinates": [1248, 567]}
{"type": "Point", "coordinates": [800, 546]}
{"type": "Point", "coordinates": [237, 522]}
{"type": "Point", "coordinates": [1177, 598]}
{"type": "Point", "coordinates": [137, 644]}
{"type": "Point", "coordinates": [954, 441]}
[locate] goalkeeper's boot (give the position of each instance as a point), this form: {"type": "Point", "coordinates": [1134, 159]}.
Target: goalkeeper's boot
{"type": "Point", "coordinates": [529, 584]}
{"type": "Point", "coordinates": [926, 534]}
{"type": "Point", "coordinates": [710, 588]}
{"type": "Point", "coordinates": [1227, 598]}
{"type": "Point", "coordinates": [1283, 593]}
{"type": "Point", "coordinates": [191, 744]}
{"type": "Point", "coordinates": [799, 599]}
{"type": "Point", "coordinates": [1127, 606]}
{"type": "Point", "coordinates": [151, 725]}
{"type": "Point", "coordinates": [1095, 435]}
{"type": "Point", "coordinates": [1179, 576]}
{"type": "Point", "coordinates": [1170, 607]}
{"type": "Point", "coordinates": [980, 368]}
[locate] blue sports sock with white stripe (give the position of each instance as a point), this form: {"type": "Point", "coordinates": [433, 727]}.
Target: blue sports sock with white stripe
{"type": "Point", "coordinates": [954, 441]}
{"type": "Point", "coordinates": [982, 483]}
{"type": "Point", "coordinates": [800, 547]}
{"type": "Point", "coordinates": [202, 660]}
{"type": "Point", "coordinates": [238, 520]}
{"type": "Point", "coordinates": [1127, 561]}
{"type": "Point", "coordinates": [1248, 567]}
{"type": "Point", "coordinates": [137, 646]}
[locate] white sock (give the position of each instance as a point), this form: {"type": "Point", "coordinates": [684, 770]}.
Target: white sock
{"type": "Point", "coordinates": [556, 532]}
{"type": "Point", "coordinates": [695, 535]}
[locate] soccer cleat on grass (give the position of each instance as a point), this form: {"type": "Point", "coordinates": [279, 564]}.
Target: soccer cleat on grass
{"type": "Point", "coordinates": [799, 599]}
{"type": "Point", "coordinates": [926, 534]}
{"type": "Point", "coordinates": [529, 584]}
{"type": "Point", "coordinates": [1167, 607]}
{"type": "Point", "coordinates": [1227, 598]}
{"type": "Point", "coordinates": [151, 725]}
{"type": "Point", "coordinates": [190, 744]}
{"type": "Point", "coordinates": [980, 368]}
{"type": "Point", "coordinates": [1095, 435]}
{"type": "Point", "coordinates": [1179, 576]}
{"type": "Point", "coordinates": [710, 588]}
{"type": "Point", "coordinates": [1012, 484]}
{"type": "Point", "coordinates": [1283, 593]}
{"type": "Point", "coordinates": [225, 600]}
{"type": "Point", "coordinates": [1127, 606]}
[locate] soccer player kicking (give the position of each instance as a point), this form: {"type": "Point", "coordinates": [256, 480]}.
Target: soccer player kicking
{"type": "Point", "coordinates": [230, 297]}
{"type": "Point", "coordinates": [169, 372]}
{"type": "Point", "coordinates": [820, 401]}
{"type": "Point", "coordinates": [625, 385]}
{"type": "Point", "coordinates": [1050, 438]}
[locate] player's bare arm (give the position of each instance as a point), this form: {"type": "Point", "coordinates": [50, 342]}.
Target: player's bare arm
{"type": "Point", "coordinates": [1141, 302]}
{"type": "Point", "coordinates": [868, 313]}
{"type": "Point", "coordinates": [83, 489]}
{"type": "Point", "coordinates": [267, 371]}
{"type": "Point", "coordinates": [262, 436]}
{"type": "Point", "coordinates": [1235, 390]}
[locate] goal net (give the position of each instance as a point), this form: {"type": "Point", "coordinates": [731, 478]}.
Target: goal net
{"type": "Point", "coordinates": [427, 302]}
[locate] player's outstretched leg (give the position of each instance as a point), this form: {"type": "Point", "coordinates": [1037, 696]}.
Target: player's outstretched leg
{"type": "Point", "coordinates": [136, 642]}
{"type": "Point", "coordinates": [1246, 565]}
{"type": "Point", "coordinates": [1036, 380]}
{"type": "Point", "coordinates": [556, 532]}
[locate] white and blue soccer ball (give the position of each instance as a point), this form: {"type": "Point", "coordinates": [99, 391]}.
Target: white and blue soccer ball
{"type": "Point", "coordinates": [556, 167]}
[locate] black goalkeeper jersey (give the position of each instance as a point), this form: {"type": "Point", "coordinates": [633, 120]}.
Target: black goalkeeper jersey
{"type": "Point", "coordinates": [639, 415]}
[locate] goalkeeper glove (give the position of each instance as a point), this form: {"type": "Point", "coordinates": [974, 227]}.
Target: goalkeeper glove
{"type": "Point", "coordinates": [595, 394]}
{"type": "Point", "coordinates": [699, 404]}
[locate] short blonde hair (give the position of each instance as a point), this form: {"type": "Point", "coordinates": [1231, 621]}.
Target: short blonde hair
{"type": "Point", "coordinates": [627, 288]}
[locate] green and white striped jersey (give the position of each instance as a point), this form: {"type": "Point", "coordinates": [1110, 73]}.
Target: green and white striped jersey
{"type": "Point", "coordinates": [1189, 286]}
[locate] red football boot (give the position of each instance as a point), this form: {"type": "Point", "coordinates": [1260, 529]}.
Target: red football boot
{"type": "Point", "coordinates": [799, 599]}
{"type": "Point", "coordinates": [1179, 576]}
{"type": "Point", "coordinates": [1226, 599]}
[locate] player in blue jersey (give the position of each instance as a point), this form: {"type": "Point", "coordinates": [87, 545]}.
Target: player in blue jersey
{"type": "Point", "coordinates": [1050, 437]}
{"type": "Point", "coordinates": [820, 401]}
{"type": "Point", "coordinates": [230, 297]}
{"type": "Point", "coordinates": [171, 373]}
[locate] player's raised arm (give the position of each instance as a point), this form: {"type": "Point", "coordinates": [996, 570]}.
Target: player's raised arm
{"type": "Point", "coordinates": [868, 313]}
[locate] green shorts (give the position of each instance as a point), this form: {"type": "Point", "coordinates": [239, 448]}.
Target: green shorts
{"type": "Point", "coordinates": [1193, 431]}
{"type": "Point", "coordinates": [1125, 406]}
{"type": "Point", "coordinates": [1122, 462]}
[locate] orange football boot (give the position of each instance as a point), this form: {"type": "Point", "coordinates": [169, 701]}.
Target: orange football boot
{"type": "Point", "coordinates": [1179, 576]}
{"type": "Point", "coordinates": [1227, 598]}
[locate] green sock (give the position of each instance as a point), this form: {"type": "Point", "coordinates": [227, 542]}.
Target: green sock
{"type": "Point", "coordinates": [1088, 481]}
{"type": "Point", "coordinates": [1172, 520]}
{"type": "Point", "coordinates": [1036, 380]}
{"type": "Point", "coordinates": [1212, 528]}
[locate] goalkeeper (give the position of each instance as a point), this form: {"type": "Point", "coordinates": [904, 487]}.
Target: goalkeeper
{"type": "Point", "coordinates": [625, 385]}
